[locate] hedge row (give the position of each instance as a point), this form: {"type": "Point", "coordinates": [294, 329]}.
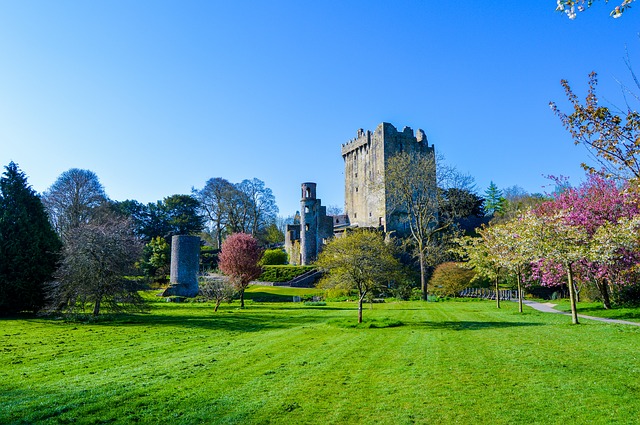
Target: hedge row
{"type": "Point", "coordinates": [282, 273]}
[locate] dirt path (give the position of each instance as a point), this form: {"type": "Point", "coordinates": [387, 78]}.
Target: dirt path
{"type": "Point", "coordinates": [548, 308]}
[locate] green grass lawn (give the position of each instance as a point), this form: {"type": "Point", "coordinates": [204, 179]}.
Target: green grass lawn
{"type": "Point", "coordinates": [596, 309]}
{"type": "Point", "coordinates": [449, 362]}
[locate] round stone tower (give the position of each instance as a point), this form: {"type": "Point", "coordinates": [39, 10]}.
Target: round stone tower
{"type": "Point", "coordinates": [308, 224]}
{"type": "Point", "coordinates": [185, 262]}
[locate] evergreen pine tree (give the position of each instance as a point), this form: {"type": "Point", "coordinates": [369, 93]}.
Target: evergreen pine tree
{"type": "Point", "coordinates": [29, 247]}
{"type": "Point", "coordinates": [493, 200]}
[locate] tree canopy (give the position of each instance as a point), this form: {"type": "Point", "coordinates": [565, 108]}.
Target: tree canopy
{"type": "Point", "coordinates": [359, 260]}
{"type": "Point", "coordinates": [98, 258]}
{"type": "Point", "coordinates": [29, 247]}
{"type": "Point", "coordinates": [239, 259]}
{"type": "Point", "coordinates": [74, 199]}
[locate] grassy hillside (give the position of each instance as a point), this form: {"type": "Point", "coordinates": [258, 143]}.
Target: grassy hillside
{"type": "Point", "coordinates": [449, 362]}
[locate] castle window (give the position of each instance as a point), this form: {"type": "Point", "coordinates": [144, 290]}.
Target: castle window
{"type": "Point", "coordinates": [306, 209]}
{"type": "Point", "coordinates": [308, 193]}
{"type": "Point", "coordinates": [356, 189]}
{"type": "Point", "coordinates": [355, 215]}
{"type": "Point", "coordinates": [306, 227]}
{"type": "Point", "coordinates": [369, 214]}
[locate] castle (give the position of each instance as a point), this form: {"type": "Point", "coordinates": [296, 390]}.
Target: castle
{"type": "Point", "coordinates": [366, 198]}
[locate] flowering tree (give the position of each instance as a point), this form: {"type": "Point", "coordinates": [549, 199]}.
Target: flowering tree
{"type": "Point", "coordinates": [550, 237]}
{"type": "Point", "coordinates": [569, 7]}
{"type": "Point", "coordinates": [614, 141]}
{"type": "Point", "coordinates": [601, 210]}
{"type": "Point", "coordinates": [239, 259]}
{"type": "Point", "coordinates": [507, 245]}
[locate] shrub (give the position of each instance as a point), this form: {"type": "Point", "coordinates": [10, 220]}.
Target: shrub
{"type": "Point", "coordinates": [449, 279]}
{"type": "Point", "coordinates": [209, 257]}
{"type": "Point", "coordinates": [282, 273]}
{"type": "Point", "coordinates": [274, 257]}
{"type": "Point", "coordinates": [628, 296]}
{"type": "Point", "coordinates": [337, 295]}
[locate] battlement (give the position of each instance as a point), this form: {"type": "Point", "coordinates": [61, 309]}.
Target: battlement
{"type": "Point", "coordinates": [362, 138]}
{"type": "Point", "coordinates": [385, 131]}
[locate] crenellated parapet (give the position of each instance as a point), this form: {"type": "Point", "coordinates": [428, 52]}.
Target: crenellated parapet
{"type": "Point", "coordinates": [365, 162]}
{"type": "Point", "coordinates": [389, 133]}
{"type": "Point", "coordinates": [362, 138]}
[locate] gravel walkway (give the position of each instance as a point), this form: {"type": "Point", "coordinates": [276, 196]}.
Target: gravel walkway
{"type": "Point", "coordinates": [548, 308]}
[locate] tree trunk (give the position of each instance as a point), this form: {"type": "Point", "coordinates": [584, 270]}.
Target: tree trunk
{"type": "Point", "coordinates": [497, 293]}
{"type": "Point", "coordinates": [423, 281]}
{"type": "Point", "coordinates": [572, 295]}
{"type": "Point", "coordinates": [217, 305]}
{"type": "Point", "coordinates": [604, 291]}
{"type": "Point", "coordinates": [96, 306]}
{"type": "Point", "coordinates": [242, 299]}
{"type": "Point", "coordinates": [519, 292]}
{"type": "Point", "coordinates": [360, 310]}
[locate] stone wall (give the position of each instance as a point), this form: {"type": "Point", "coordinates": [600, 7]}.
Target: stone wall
{"type": "Point", "coordinates": [365, 157]}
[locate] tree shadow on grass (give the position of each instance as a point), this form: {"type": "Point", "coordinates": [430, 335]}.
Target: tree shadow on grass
{"type": "Point", "coordinates": [228, 320]}
{"type": "Point", "coordinates": [466, 325]}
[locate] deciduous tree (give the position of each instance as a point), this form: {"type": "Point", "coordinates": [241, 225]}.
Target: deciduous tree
{"type": "Point", "coordinates": [359, 260]}
{"type": "Point", "coordinates": [217, 290]}
{"type": "Point", "coordinates": [416, 187]}
{"type": "Point", "coordinates": [97, 259]}
{"type": "Point", "coordinates": [612, 140]}
{"type": "Point", "coordinates": [239, 259]}
{"type": "Point", "coordinates": [214, 202]}
{"type": "Point", "coordinates": [74, 199]}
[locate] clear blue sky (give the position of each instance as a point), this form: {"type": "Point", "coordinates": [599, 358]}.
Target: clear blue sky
{"type": "Point", "coordinates": [156, 97]}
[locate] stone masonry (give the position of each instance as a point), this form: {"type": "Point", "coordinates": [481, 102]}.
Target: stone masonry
{"type": "Point", "coordinates": [365, 157]}
{"type": "Point", "coordinates": [314, 229]}
{"type": "Point", "coordinates": [185, 263]}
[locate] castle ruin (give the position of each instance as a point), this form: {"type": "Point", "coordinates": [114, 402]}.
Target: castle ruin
{"type": "Point", "coordinates": [366, 199]}
{"type": "Point", "coordinates": [314, 229]}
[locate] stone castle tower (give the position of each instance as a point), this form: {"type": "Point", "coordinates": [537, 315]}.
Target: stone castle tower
{"type": "Point", "coordinates": [314, 229]}
{"type": "Point", "coordinates": [365, 157]}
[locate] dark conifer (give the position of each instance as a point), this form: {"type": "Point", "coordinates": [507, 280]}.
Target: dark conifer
{"type": "Point", "coordinates": [29, 247]}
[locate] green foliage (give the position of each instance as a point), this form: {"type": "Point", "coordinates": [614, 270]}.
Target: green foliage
{"type": "Point", "coordinates": [282, 273]}
{"type": "Point", "coordinates": [156, 259]}
{"type": "Point", "coordinates": [359, 260]}
{"type": "Point", "coordinates": [273, 257]}
{"type": "Point", "coordinates": [182, 215]}
{"type": "Point", "coordinates": [339, 295]}
{"type": "Point", "coordinates": [493, 200]}
{"type": "Point", "coordinates": [272, 234]}
{"type": "Point", "coordinates": [29, 247]}
{"type": "Point", "coordinates": [450, 278]}
{"type": "Point", "coordinates": [208, 257]}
